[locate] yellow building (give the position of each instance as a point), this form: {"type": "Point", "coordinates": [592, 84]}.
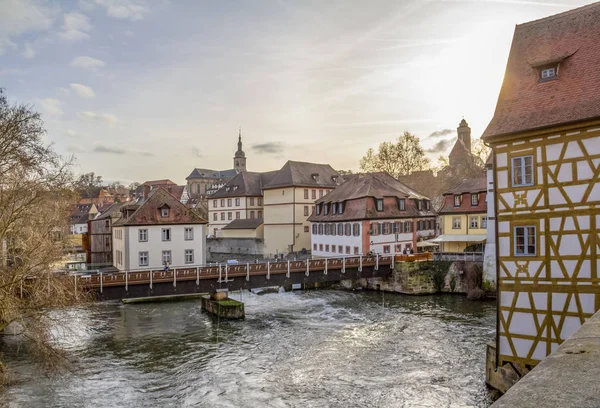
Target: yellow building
{"type": "Point", "coordinates": [289, 200]}
{"type": "Point", "coordinates": [545, 136]}
{"type": "Point", "coordinates": [463, 217]}
{"type": "Point", "coordinates": [248, 228]}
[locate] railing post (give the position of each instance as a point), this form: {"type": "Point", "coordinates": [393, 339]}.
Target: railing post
{"type": "Point", "coordinates": [219, 274]}
{"type": "Point", "coordinates": [174, 277]}
{"type": "Point", "coordinates": [325, 272]}
{"type": "Point", "coordinates": [150, 273]}
{"type": "Point", "coordinates": [198, 276]}
{"type": "Point", "coordinates": [344, 265]}
{"type": "Point", "coordinates": [126, 281]}
{"type": "Point", "coordinates": [307, 266]}
{"type": "Point", "coordinates": [226, 272]}
{"type": "Point", "coordinates": [100, 282]}
{"type": "Point", "coordinates": [377, 261]}
{"type": "Point", "coordinates": [288, 271]}
{"type": "Point", "coordinates": [360, 264]}
{"type": "Point", "coordinates": [247, 272]}
{"type": "Point", "coordinates": [268, 270]}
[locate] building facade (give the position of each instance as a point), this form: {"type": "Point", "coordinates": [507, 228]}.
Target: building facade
{"type": "Point", "coordinates": [160, 232]}
{"type": "Point", "coordinates": [370, 213]}
{"type": "Point", "coordinates": [463, 217]}
{"type": "Point", "coordinates": [545, 136]}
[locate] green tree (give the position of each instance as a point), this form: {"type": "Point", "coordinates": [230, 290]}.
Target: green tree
{"type": "Point", "coordinates": [396, 158]}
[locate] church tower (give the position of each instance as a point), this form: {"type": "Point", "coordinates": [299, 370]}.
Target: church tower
{"type": "Point", "coordinates": [464, 134]}
{"type": "Point", "coordinates": [239, 160]}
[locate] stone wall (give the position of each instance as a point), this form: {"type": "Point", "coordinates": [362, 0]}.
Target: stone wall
{"type": "Point", "coordinates": [237, 248]}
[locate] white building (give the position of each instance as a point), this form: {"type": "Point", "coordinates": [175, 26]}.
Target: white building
{"type": "Point", "coordinates": [160, 231]}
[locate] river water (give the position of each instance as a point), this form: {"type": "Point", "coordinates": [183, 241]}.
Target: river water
{"type": "Point", "coordinates": [296, 349]}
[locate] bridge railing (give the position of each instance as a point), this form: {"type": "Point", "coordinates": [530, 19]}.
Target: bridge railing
{"type": "Point", "coordinates": [458, 256]}
{"type": "Point", "coordinates": [222, 272]}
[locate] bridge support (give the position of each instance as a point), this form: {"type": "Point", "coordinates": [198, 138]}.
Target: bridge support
{"type": "Point", "coordinates": [219, 304]}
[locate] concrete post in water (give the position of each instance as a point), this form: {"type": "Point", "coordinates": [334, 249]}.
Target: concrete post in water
{"type": "Point", "coordinates": [198, 276]}
{"type": "Point", "coordinates": [325, 271]}
{"type": "Point", "coordinates": [307, 266]}
{"type": "Point", "coordinates": [100, 282]}
{"type": "Point", "coordinates": [268, 270]}
{"type": "Point", "coordinates": [220, 305]}
{"type": "Point", "coordinates": [174, 278]}
{"type": "Point", "coordinates": [126, 281]}
{"type": "Point", "coordinates": [288, 269]}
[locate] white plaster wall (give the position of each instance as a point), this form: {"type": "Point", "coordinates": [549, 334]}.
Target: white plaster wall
{"type": "Point", "coordinates": [118, 245]}
{"type": "Point", "coordinates": [489, 257]}
{"type": "Point", "coordinates": [344, 240]}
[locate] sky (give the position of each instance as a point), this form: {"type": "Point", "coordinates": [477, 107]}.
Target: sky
{"type": "Point", "coordinates": [149, 89]}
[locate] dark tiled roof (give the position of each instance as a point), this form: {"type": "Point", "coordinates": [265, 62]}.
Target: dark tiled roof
{"type": "Point", "coordinates": [92, 193]}
{"type": "Point", "coordinates": [474, 185]}
{"type": "Point", "coordinates": [245, 183]}
{"type": "Point", "coordinates": [249, 223]}
{"type": "Point", "coordinates": [148, 212]}
{"type": "Point", "coordinates": [571, 38]}
{"type": "Point", "coordinates": [304, 174]}
{"type": "Point", "coordinates": [110, 210]}
{"type": "Point", "coordinates": [162, 182]}
{"type": "Point", "coordinates": [211, 174]}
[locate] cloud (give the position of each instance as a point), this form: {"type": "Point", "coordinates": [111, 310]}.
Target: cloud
{"type": "Point", "coordinates": [197, 152]}
{"type": "Point", "coordinates": [9, 71]}
{"type": "Point", "coordinates": [28, 51]}
{"type": "Point", "coordinates": [107, 149]}
{"type": "Point", "coordinates": [75, 27]}
{"type": "Point", "coordinates": [19, 17]}
{"type": "Point", "coordinates": [87, 62]}
{"type": "Point", "coordinates": [72, 133]}
{"type": "Point", "coordinates": [51, 106]}
{"type": "Point", "coordinates": [122, 9]}
{"type": "Point", "coordinates": [440, 133]}
{"type": "Point", "coordinates": [83, 91]}
{"type": "Point", "coordinates": [269, 148]}
{"type": "Point", "coordinates": [441, 146]}
{"type": "Point", "coordinates": [108, 118]}
{"type": "Point", "coordinates": [75, 149]}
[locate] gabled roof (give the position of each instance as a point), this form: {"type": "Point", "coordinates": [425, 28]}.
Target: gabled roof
{"type": "Point", "coordinates": [570, 39]}
{"type": "Point", "coordinates": [245, 183]}
{"type": "Point", "coordinates": [93, 192]}
{"type": "Point", "coordinates": [249, 223]}
{"type": "Point", "coordinates": [459, 149]}
{"type": "Point", "coordinates": [162, 182]}
{"type": "Point", "coordinates": [110, 211]}
{"type": "Point", "coordinates": [211, 174]}
{"type": "Point", "coordinates": [473, 185]}
{"type": "Point", "coordinates": [305, 174]}
{"type": "Point", "coordinates": [148, 214]}
{"type": "Point", "coordinates": [376, 185]}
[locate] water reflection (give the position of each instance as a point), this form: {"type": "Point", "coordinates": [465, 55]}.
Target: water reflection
{"type": "Point", "coordinates": [301, 349]}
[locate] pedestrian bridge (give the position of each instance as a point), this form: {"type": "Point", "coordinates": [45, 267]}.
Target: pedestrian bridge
{"type": "Point", "coordinates": [209, 279]}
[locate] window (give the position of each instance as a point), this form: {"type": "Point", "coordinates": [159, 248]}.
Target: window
{"type": "Point", "coordinates": [319, 209]}
{"type": "Point", "coordinates": [252, 214]}
{"type": "Point", "coordinates": [229, 216]}
{"type": "Point", "coordinates": [386, 249]}
{"type": "Point", "coordinates": [189, 256]}
{"type": "Point", "coordinates": [341, 208]}
{"type": "Point", "coordinates": [164, 212]}
{"type": "Point", "coordinates": [188, 234]}
{"type": "Point", "coordinates": [237, 215]}
{"type": "Point", "coordinates": [259, 214]}
{"type": "Point", "coordinates": [259, 200]}
{"type": "Point", "coordinates": [306, 210]}
{"type": "Point", "coordinates": [166, 257]}
{"type": "Point", "coordinates": [474, 222]}
{"type": "Point", "coordinates": [402, 204]}
{"type": "Point", "coordinates": [420, 205]}
{"type": "Point", "coordinates": [306, 194]}
{"type": "Point", "coordinates": [333, 248]}
{"type": "Point", "coordinates": [348, 249]}
{"type": "Point", "coordinates": [313, 194]}
{"type": "Point", "coordinates": [455, 222]}
{"type": "Point", "coordinates": [340, 229]}
{"type": "Point", "coordinates": [314, 247]}
{"type": "Point", "coordinates": [214, 203]}
{"type": "Point", "coordinates": [222, 216]}
{"type": "Point", "coordinates": [306, 229]}
{"type": "Point", "coordinates": [474, 199]}
{"type": "Point", "coordinates": [386, 228]}
{"type": "Point", "coordinates": [483, 222]}
{"type": "Point", "coordinates": [379, 205]}
{"type": "Point", "coordinates": [251, 200]}
{"type": "Point", "coordinates": [321, 247]}
{"type": "Point", "coordinates": [419, 225]}
{"type": "Point", "coordinates": [282, 192]}
{"type": "Point", "coordinates": [525, 241]}
{"type": "Point", "coordinates": [223, 203]}
{"type": "Point", "coordinates": [237, 202]}
{"type": "Point", "coordinates": [166, 234]}
{"type": "Point", "coordinates": [320, 229]}
{"type": "Point", "coordinates": [314, 229]}
{"type": "Point", "coordinates": [320, 193]}
{"type": "Point", "coordinates": [334, 208]}
{"type": "Point", "coordinates": [143, 235]}
{"type": "Point", "coordinates": [215, 217]}
{"type": "Point", "coordinates": [229, 202]}
{"type": "Point", "coordinates": [143, 258]}
{"type": "Point", "coordinates": [427, 205]}
{"type": "Point", "coordinates": [341, 249]}
{"type": "Point", "coordinates": [548, 74]}
{"type": "Point", "coordinates": [522, 171]}
{"type": "Point", "coordinates": [327, 229]}
{"type": "Point", "coordinates": [347, 229]}
{"type": "Point", "coordinates": [398, 248]}
{"type": "Point", "coordinates": [457, 200]}
{"type": "Point", "coordinates": [326, 209]}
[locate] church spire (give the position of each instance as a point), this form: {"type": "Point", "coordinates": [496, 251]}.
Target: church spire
{"type": "Point", "coordinates": [240, 140]}
{"type": "Point", "coordinates": [239, 159]}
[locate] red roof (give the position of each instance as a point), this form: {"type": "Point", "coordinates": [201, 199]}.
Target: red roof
{"type": "Point", "coordinates": [570, 39]}
{"type": "Point", "coordinates": [162, 182]}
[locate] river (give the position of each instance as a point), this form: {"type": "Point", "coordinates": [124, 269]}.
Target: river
{"type": "Point", "coordinates": [298, 349]}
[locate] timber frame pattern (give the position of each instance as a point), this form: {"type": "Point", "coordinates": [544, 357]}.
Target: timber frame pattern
{"type": "Point", "coordinates": [545, 297]}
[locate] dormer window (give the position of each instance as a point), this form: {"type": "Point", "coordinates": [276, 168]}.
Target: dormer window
{"type": "Point", "coordinates": [402, 204]}
{"type": "Point", "coordinates": [334, 208]}
{"type": "Point", "coordinates": [420, 205]}
{"type": "Point", "coordinates": [315, 176]}
{"type": "Point", "coordinates": [457, 199]}
{"type": "Point", "coordinates": [341, 207]}
{"type": "Point", "coordinates": [326, 209]}
{"type": "Point", "coordinates": [474, 199]}
{"type": "Point", "coordinates": [548, 73]}
{"type": "Point", "coordinates": [427, 205]}
{"type": "Point", "coordinates": [318, 209]}
{"type": "Point", "coordinates": [164, 212]}
{"type": "Point", "coordinates": [334, 178]}
{"type": "Point", "coordinates": [379, 203]}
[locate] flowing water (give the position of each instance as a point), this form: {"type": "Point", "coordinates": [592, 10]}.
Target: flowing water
{"type": "Point", "coordinates": [298, 349]}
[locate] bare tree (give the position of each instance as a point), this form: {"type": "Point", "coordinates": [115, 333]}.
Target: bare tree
{"type": "Point", "coordinates": [403, 157]}
{"type": "Point", "coordinates": [35, 200]}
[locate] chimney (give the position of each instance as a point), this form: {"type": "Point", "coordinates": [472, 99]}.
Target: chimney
{"type": "Point", "coordinates": [146, 190]}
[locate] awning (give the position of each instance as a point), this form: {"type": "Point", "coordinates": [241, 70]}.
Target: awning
{"type": "Point", "coordinates": [459, 238]}
{"type": "Point", "coordinates": [422, 244]}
